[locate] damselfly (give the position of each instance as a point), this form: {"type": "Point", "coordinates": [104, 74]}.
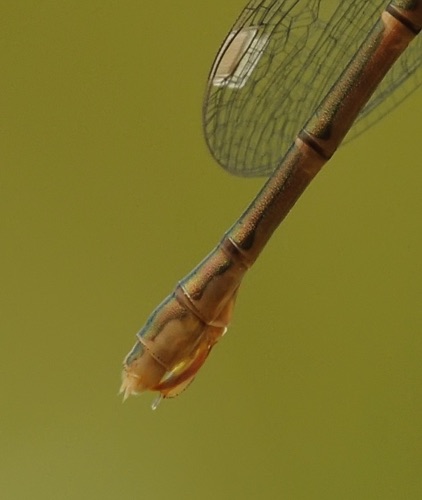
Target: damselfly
{"type": "Point", "coordinates": [275, 66]}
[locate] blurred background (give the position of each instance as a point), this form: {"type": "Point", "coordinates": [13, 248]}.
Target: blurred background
{"type": "Point", "coordinates": [109, 196]}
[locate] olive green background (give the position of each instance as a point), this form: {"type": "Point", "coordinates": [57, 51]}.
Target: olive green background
{"type": "Point", "coordinates": [109, 196]}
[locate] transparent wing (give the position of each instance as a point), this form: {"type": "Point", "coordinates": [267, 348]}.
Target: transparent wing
{"type": "Point", "coordinates": [277, 63]}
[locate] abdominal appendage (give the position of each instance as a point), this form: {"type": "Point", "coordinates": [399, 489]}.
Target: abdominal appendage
{"type": "Point", "coordinates": [172, 346]}
{"type": "Point", "coordinates": [180, 333]}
